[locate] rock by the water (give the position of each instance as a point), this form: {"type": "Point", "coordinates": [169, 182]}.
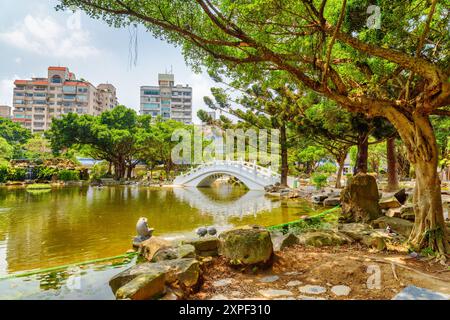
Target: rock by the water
{"type": "Point", "coordinates": [246, 245]}
{"type": "Point", "coordinates": [281, 242]}
{"type": "Point", "coordinates": [318, 198]}
{"type": "Point", "coordinates": [165, 254]}
{"type": "Point", "coordinates": [185, 251]}
{"type": "Point", "coordinates": [312, 289]}
{"type": "Point", "coordinates": [143, 287]}
{"type": "Point", "coordinates": [401, 226]}
{"type": "Point", "coordinates": [204, 247]}
{"type": "Point", "coordinates": [359, 199]}
{"type": "Point", "coordinates": [341, 290]}
{"type": "Point", "coordinates": [212, 231]}
{"type": "Point", "coordinates": [273, 293]}
{"type": "Point", "coordinates": [332, 202]}
{"type": "Point", "coordinates": [391, 202]}
{"type": "Point", "coordinates": [324, 238]}
{"type": "Point", "coordinates": [201, 232]}
{"type": "Point", "coordinates": [150, 247]}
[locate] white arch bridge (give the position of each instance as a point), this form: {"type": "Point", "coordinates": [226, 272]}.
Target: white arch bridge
{"type": "Point", "coordinates": [252, 175]}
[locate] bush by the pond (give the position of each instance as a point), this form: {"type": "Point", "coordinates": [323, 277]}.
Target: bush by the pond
{"type": "Point", "coordinates": [69, 175]}
{"type": "Point", "coordinates": [319, 180]}
{"type": "Point", "coordinates": [39, 186]}
{"type": "Point", "coordinates": [8, 173]}
{"type": "Point", "coordinates": [45, 173]}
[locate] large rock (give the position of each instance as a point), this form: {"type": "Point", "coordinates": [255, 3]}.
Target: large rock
{"type": "Point", "coordinates": [205, 246]}
{"type": "Point", "coordinates": [184, 271]}
{"type": "Point", "coordinates": [143, 287]}
{"type": "Point", "coordinates": [318, 198]}
{"type": "Point", "coordinates": [150, 247]}
{"type": "Point", "coordinates": [402, 226]}
{"type": "Point", "coordinates": [375, 239]}
{"type": "Point", "coordinates": [324, 238]}
{"type": "Point", "coordinates": [359, 200]}
{"type": "Point", "coordinates": [394, 212]}
{"type": "Point", "coordinates": [407, 212]}
{"type": "Point", "coordinates": [331, 202]}
{"type": "Point", "coordinates": [356, 231]}
{"type": "Point", "coordinates": [246, 245]}
{"type": "Point", "coordinates": [389, 203]}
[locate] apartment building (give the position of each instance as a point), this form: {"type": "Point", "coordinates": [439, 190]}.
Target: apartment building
{"type": "Point", "coordinates": [167, 100]}
{"type": "Point", "coordinates": [5, 112]}
{"type": "Point", "coordinates": [37, 101]}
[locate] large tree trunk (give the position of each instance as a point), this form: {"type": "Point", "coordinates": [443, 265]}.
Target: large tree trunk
{"type": "Point", "coordinates": [284, 156]}
{"type": "Point", "coordinates": [362, 155]}
{"type": "Point", "coordinates": [429, 227]}
{"type": "Point", "coordinates": [391, 165]}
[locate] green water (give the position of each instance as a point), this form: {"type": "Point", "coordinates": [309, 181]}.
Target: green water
{"type": "Point", "coordinates": [70, 225]}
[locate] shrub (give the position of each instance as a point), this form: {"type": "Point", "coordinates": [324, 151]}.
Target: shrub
{"type": "Point", "coordinates": [16, 174]}
{"type": "Point", "coordinates": [3, 173]}
{"type": "Point", "coordinates": [99, 170]}
{"type": "Point", "coordinates": [319, 180]}
{"type": "Point", "coordinates": [68, 175]}
{"type": "Point", "coordinates": [44, 173]}
{"type": "Point", "coordinates": [327, 167]}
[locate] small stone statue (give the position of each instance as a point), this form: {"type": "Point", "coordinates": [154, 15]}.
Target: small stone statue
{"type": "Point", "coordinates": [143, 231]}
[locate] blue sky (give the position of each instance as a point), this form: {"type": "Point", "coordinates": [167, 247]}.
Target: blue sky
{"type": "Point", "coordinates": [33, 36]}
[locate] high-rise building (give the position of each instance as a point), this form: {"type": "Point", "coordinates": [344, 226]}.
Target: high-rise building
{"type": "Point", "coordinates": [5, 112]}
{"type": "Point", "coordinates": [38, 100]}
{"type": "Point", "coordinates": [167, 100]}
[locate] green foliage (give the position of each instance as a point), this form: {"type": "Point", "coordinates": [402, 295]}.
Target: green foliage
{"type": "Point", "coordinates": [44, 173]}
{"type": "Point", "coordinates": [68, 175]}
{"type": "Point", "coordinates": [37, 147]}
{"type": "Point", "coordinates": [327, 167]}
{"type": "Point", "coordinates": [319, 180]}
{"type": "Point", "coordinates": [99, 170]}
{"type": "Point", "coordinates": [4, 169]}
{"type": "Point", "coordinates": [38, 186]}
{"type": "Point", "coordinates": [16, 174]}
{"type": "Point", "coordinates": [6, 150]}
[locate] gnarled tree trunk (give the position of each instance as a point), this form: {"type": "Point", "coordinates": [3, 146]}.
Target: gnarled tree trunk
{"type": "Point", "coordinates": [341, 162]}
{"type": "Point", "coordinates": [363, 154]}
{"type": "Point", "coordinates": [429, 228]}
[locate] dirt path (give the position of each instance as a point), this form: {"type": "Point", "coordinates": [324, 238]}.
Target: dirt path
{"type": "Point", "coordinates": [347, 272]}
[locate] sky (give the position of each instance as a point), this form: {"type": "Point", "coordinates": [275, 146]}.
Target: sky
{"type": "Point", "coordinates": [33, 36]}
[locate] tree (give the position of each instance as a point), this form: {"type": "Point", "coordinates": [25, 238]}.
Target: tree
{"type": "Point", "coordinates": [6, 150]}
{"type": "Point", "coordinates": [15, 135]}
{"type": "Point", "coordinates": [400, 72]}
{"type": "Point", "coordinates": [37, 147]}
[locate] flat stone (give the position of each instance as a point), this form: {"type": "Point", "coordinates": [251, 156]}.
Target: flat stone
{"type": "Point", "coordinates": [293, 283]}
{"type": "Point", "coordinates": [391, 202]}
{"type": "Point", "coordinates": [222, 282]}
{"type": "Point", "coordinates": [416, 293]}
{"type": "Point", "coordinates": [332, 201]}
{"type": "Point", "coordinates": [311, 289]}
{"type": "Point", "coordinates": [302, 297]}
{"type": "Point", "coordinates": [274, 293]}
{"type": "Point", "coordinates": [269, 279]}
{"type": "Point", "coordinates": [186, 251]}
{"type": "Point", "coordinates": [218, 297]}
{"type": "Point", "coordinates": [206, 246]}
{"type": "Point", "coordinates": [341, 290]}
{"type": "Point", "coordinates": [143, 287]}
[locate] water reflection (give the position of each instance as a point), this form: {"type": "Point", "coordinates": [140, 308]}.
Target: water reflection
{"type": "Point", "coordinates": [70, 225]}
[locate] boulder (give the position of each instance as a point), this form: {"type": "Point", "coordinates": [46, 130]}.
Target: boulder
{"type": "Point", "coordinates": [375, 240]}
{"type": "Point", "coordinates": [356, 231]}
{"type": "Point", "coordinates": [407, 212]}
{"type": "Point", "coordinates": [324, 238]}
{"type": "Point", "coordinates": [401, 226]}
{"type": "Point", "coordinates": [359, 199]}
{"type": "Point", "coordinates": [185, 271]}
{"type": "Point", "coordinates": [318, 198]}
{"type": "Point", "coordinates": [393, 212]}
{"type": "Point", "coordinates": [186, 251]}
{"type": "Point", "coordinates": [165, 254]}
{"type": "Point", "coordinates": [143, 287]}
{"type": "Point", "coordinates": [331, 202]}
{"type": "Point", "coordinates": [150, 247]}
{"type": "Point", "coordinates": [401, 196]}
{"type": "Point", "coordinates": [246, 245]}
{"type": "Point", "coordinates": [204, 247]}
{"type": "Point", "coordinates": [388, 203]}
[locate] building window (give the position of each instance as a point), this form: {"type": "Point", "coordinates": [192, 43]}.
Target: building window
{"type": "Point", "coordinates": [151, 92]}
{"type": "Point", "coordinates": [56, 79]}
{"type": "Point", "coordinates": [69, 89]}
{"type": "Point", "coordinates": [151, 106]}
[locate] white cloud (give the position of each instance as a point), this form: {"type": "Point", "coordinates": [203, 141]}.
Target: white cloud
{"type": "Point", "coordinates": [45, 36]}
{"type": "Point", "coordinates": [18, 60]}
{"type": "Point", "coordinates": [6, 90]}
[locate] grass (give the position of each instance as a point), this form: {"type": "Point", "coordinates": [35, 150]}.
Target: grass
{"type": "Point", "coordinates": [39, 186]}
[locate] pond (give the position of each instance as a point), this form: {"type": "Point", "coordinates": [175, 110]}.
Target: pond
{"type": "Point", "coordinates": [75, 224]}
